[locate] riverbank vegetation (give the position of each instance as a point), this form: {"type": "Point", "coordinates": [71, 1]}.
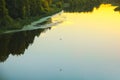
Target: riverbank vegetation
{"type": "Point", "coordinates": [16, 13]}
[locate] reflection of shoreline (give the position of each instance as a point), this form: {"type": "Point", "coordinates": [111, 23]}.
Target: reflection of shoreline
{"type": "Point", "coordinates": [17, 43]}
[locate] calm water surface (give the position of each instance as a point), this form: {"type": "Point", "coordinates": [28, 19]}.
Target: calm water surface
{"type": "Point", "coordinates": [86, 46]}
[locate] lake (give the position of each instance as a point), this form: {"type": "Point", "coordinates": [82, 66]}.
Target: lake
{"type": "Point", "coordinates": [83, 46]}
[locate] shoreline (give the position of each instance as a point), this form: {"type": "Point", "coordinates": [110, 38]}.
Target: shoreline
{"type": "Point", "coordinates": [32, 25]}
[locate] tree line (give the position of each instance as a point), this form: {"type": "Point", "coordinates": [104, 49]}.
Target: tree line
{"type": "Point", "coordinates": [15, 10]}
{"type": "Point", "coordinates": [88, 5]}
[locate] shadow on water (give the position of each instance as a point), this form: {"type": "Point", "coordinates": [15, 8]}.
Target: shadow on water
{"type": "Point", "coordinates": [17, 43]}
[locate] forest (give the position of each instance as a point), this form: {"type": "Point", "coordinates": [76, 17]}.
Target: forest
{"type": "Point", "coordinates": [16, 13]}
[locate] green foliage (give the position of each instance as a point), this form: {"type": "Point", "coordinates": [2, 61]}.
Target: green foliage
{"type": "Point", "coordinates": [5, 19]}
{"type": "Point", "coordinates": [14, 11]}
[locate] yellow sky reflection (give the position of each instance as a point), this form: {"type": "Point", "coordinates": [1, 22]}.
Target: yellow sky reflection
{"type": "Point", "coordinates": [104, 18]}
{"type": "Point", "coordinates": [97, 33]}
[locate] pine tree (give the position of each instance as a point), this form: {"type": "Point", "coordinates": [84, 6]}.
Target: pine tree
{"type": "Point", "coordinates": [3, 10]}
{"type": "Point", "coordinates": [5, 19]}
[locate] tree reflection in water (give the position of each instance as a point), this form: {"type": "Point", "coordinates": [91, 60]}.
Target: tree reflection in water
{"type": "Point", "coordinates": [17, 43]}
